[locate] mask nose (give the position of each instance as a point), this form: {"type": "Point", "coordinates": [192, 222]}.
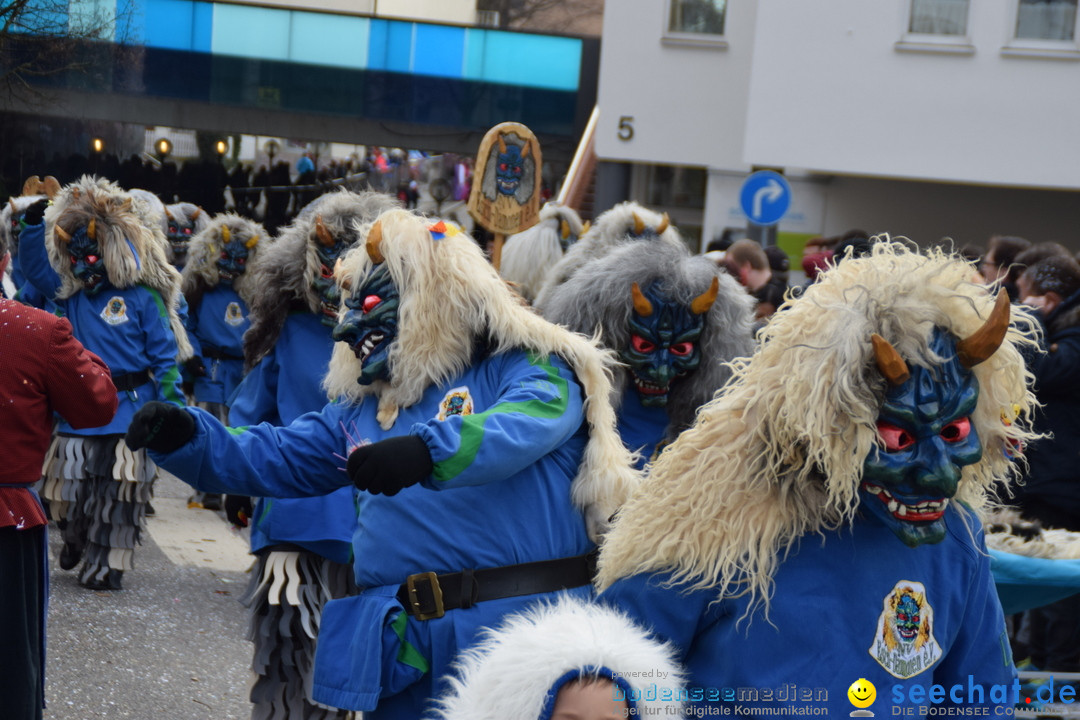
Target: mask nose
{"type": "Point", "coordinates": [347, 331]}
{"type": "Point", "coordinates": [935, 472]}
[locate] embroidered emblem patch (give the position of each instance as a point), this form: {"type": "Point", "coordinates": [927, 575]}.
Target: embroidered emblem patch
{"type": "Point", "coordinates": [115, 311]}
{"type": "Point", "coordinates": [456, 402]}
{"type": "Point", "coordinates": [904, 643]}
{"type": "Point", "coordinates": [233, 314]}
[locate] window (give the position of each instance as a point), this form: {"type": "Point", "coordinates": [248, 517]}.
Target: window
{"type": "Point", "coordinates": [702, 17]}
{"type": "Point", "coordinates": [938, 17]}
{"type": "Point", "coordinates": [1046, 20]}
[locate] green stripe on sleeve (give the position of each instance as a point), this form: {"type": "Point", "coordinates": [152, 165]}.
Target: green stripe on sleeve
{"type": "Point", "coordinates": [408, 654]}
{"type": "Point", "coordinates": [472, 426]}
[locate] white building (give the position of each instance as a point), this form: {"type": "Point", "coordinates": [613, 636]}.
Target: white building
{"type": "Point", "coordinates": [921, 118]}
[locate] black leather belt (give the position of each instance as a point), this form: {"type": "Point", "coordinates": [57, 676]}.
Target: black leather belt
{"type": "Point", "coordinates": [214, 353]}
{"type": "Point", "coordinates": [427, 596]}
{"type": "Point", "coordinates": [130, 381]}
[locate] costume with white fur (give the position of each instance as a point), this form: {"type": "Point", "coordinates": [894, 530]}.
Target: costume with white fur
{"type": "Point", "coordinates": [626, 222]}
{"type": "Point", "coordinates": [528, 256]}
{"type": "Point", "coordinates": [497, 396]}
{"type": "Point", "coordinates": [130, 321]}
{"type": "Point", "coordinates": [216, 285]}
{"type": "Point", "coordinates": [303, 546]}
{"type": "Point", "coordinates": [603, 296]}
{"type": "Point", "coordinates": [769, 516]}
{"type": "Point", "coordinates": [518, 668]}
{"type": "Point", "coordinates": [183, 221]}
{"type": "Point", "coordinates": [11, 225]}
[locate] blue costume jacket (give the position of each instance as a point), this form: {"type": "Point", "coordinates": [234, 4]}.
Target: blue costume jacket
{"type": "Point", "coordinates": [216, 330]}
{"type": "Point", "coordinates": [641, 428]}
{"type": "Point", "coordinates": [284, 385]}
{"type": "Point", "coordinates": [506, 437]}
{"type": "Point", "coordinates": [856, 603]}
{"type": "Point", "coordinates": [127, 328]}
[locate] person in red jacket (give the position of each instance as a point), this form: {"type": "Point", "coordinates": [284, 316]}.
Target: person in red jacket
{"type": "Point", "coordinates": [43, 369]}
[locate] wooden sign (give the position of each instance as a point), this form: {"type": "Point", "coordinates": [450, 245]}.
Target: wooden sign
{"type": "Point", "coordinates": [505, 197]}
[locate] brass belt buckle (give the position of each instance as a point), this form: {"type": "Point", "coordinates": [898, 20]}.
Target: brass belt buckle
{"type": "Point", "coordinates": [419, 611]}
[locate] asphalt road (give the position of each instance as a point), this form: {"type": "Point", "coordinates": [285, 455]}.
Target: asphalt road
{"type": "Point", "coordinates": [172, 643]}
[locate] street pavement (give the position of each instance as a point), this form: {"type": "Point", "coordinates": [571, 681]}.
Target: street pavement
{"type": "Point", "coordinates": [172, 643]}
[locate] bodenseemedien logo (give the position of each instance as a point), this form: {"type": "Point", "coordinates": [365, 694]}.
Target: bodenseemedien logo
{"type": "Point", "coordinates": [862, 694]}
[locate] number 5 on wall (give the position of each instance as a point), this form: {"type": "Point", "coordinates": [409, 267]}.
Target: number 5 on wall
{"type": "Point", "coordinates": [626, 127]}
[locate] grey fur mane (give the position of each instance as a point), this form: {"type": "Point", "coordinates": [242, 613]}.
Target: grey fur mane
{"type": "Point", "coordinates": [598, 296]}
{"type": "Point", "coordinates": [283, 275]}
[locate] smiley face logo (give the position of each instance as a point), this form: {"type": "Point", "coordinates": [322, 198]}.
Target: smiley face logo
{"type": "Point", "coordinates": [862, 693]}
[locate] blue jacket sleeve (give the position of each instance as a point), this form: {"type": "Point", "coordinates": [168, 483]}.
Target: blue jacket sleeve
{"type": "Point", "coordinates": [539, 407]}
{"type": "Point", "coordinates": [255, 400]}
{"type": "Point", "coordinates": [301, 460]}
{"type": "Point", "coordinates": [34, 261]}
{"type": "Point", "coordinates": [669, 614]}
{"type": "Point", "coordinates": [161, 348]}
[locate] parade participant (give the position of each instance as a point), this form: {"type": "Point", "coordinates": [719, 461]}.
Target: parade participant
{"type": "Point", "coordinates": [183, 221]}
{"type": "Point", "coordinates": [528, 256]}
{"type": "Point", "coordinates": [674, 319]}
{"type": "Point", "coordinates": [11, 224]}
{"type": "Point", "coordinates": [45, 371]}
{"type": "Point", "coordinates": [626, 222]}
{"type": "Point", "coordinates": [303, 546]}
{"type": "Point", "coordinates": [461, 414]}
{"type": "Point", "coordinates": [839, 475]}
{"type": "Point", "coordinates": [570, 660]}
{"type": "Point", "coordinates": [216, 285]}
{"type": "Point", "coordinates": [109, 275]}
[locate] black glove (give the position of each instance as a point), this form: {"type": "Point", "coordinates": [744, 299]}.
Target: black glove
{"type": "Point", "coordinates": [195, 367]}
{"type": "Point", "coordinates": [36, 212]}
{"type": "Point", "coordinates": [389, 466]}
{"type": "Point", "coordinates": [239, 509]}
{"type": "Point", "coordinates": [160, 426]}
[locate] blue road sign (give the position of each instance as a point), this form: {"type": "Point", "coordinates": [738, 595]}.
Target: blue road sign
{"type": "Point", "coordinates": [765, 197]}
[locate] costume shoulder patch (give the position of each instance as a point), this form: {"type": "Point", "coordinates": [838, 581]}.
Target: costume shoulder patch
{"type": "Point", "coordinates": [115, 311]}
{"type": "Point", "coordinates": [904, 643]}
{"type": "Point", "coordinates": [233, 314]}
{"type": "Point", "coordinates": [457, 401]}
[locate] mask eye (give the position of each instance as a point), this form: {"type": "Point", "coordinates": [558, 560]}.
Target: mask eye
{"type": "Point", "coordinates": [241, 261]}
{"type": "Point", "coordinates": [957, 430]}
{"type": "Point", "coordinates": [641, 345]}
{"type": "Point", "coordinates": [896, 438]}
{"type": "Point", "coordinates": [326, 272]}
{"type": "Point", "coordinates": [682, 349]}
{"type": "Point", "coordinates": [224, 255]}
{"type": "Point", "coordinates": [370, 302]}
{"type": "Point", "coordinates": [92, 259]}
{"type": "Point", "coordinates": [187, 231]}
{"type": "Point", "coordinates": [502, 166]}
{"type": "Point", "coordinates": [74, 259]}
{"type": "Point", "coordinates": [173, 230]}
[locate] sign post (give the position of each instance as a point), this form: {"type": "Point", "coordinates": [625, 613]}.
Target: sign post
{"type": "Point", "coordinates": [765, 198]}
{"type": "Point", "coordinates": [505, 196]}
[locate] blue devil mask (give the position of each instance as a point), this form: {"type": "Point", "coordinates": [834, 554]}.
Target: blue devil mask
{"type": "Point", "coordinates": [510, 166]}
{"type": "Point", "coordinates": [179, 235]}
{"type": "Point", "coordinates": [663, 344]}
{"type": "Point", "coordinates": [370, 324]}
{"type": "Point", "coordinates": [328, 251]}
{"type": "Point", "coordinates": [232, 262]}
{"type": "Point", "coordinates": [87, 265]}
{"type": "Point", "coordinates": [927, 437]}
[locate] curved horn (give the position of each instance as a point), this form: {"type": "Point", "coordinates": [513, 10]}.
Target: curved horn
{"type": "Point", "coordinates": [91, 229]}
{"type": "Point", "coordinates": [985, 341]}
{"type": "Point", "coordinates": [639, 224]}
{"type": "Point", "coordinates": [32, 186]}
{"type": "Point", "coordinates": [226, 234]}
{"type": "Point", "coordinates": [564, 229]}
{"type": "Point", "coordinates": [705, 300]}
{"type": "Point", "coordinates": [61, 233]}
{"type": "Point", "coordinates": [195, 213]}
{"type": "Point", "coordinates": [585, 228]}
{"type": "Point", "coordinates": [525, 150]}
{"type": "Point", "coordinates": [51, 187]}
{"type": "Point", "coordinates": [374, 240]}
{"type": "Point", "coordinates": [11, 202]}
{"type": "Point", "coordinates": [502, 144]}
{"type": "Point", "coordinates": [169, 214]}
{"type": "Point", "coordinates": [889, 362]}
{"type": "Point", "coordinates": [325, 238]}
{"type": "Point", "coordinates": [252, 242]}
{"type": "Point", "coordinates": [642, 306]}
{"type": "Point", "coordinates": [664, 222]}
